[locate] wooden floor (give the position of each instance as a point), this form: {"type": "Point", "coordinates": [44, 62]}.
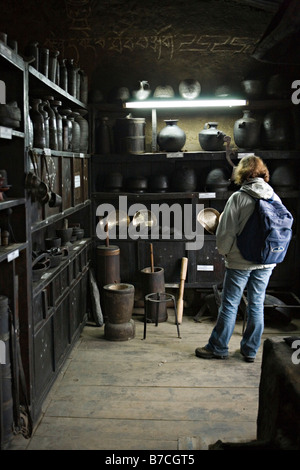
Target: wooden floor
{"type": "Point", "coordinates": [151, 394]}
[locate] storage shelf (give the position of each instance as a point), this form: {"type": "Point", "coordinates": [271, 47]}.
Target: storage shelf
{"type": "Point", "coordinates": [61, 215]}
{"type": "Point", "coordinates": [144, 196]}
{"type": "Point", "coordinates": [42, 81]}
{"type": "Point", "coordinates": [60, 153]}
{"type": "Point", "coordinates": [11, 202]}
{"type": "Point", "coordinates": [77, 246]}
{"type": "Point", "coordinates": [158, 156]}
{"type": "Point", "coordinates": [11, 56]}
{"type": "Point", "coordinates": [7, 133]}
{"type": "Point", "coordinates": [10, 251]}
{"type": "Point", "coordinates": [196, 155]}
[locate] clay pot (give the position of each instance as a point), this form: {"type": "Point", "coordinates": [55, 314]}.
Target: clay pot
{"type": "Point", "coordinates": [65, 234]}
{"type": "Point", "coordinates": [171, 138]}
{"type": "Point", "coordinates": [143, 92]}
{"type": "Point", "coordinates": [39, 266]}
{"type": "Point", "coordinates": [129, 135]}
{"type": "Point", "coordinates": [44, 61]}
{"type": "Point", "coordinates": [53, 142]}
{"type": "Point", "coordinates": [159, 183]}
{"type": "Point", "coordinates": [252, 89]}
{"type": "Point", "coordinates": [84, 130]}
{"type": "Point", "coordinates": [59, 127]}
{"type": "Point", "coordinates": [277, 130]}
{"type": "Point", "coordinates": [104, 137]}
{"type": "Point", "coordinates": [217, 180]}
{"type": "Point", "coordinates": [67, 129]}
{"type": "Point", "coordinates": [184, 179]}
{"type": "Point", "coordinates": [39, 139]}
{"type": "Point", "coordinates": [54, 242]}
{"type": "Point", "coordinates": [189, 89]}
{"type": "Point", "coordinates": [210, 138]}
{"type": "Point", "coordinates": [75, 132]}
{"type": "Point", "coordinates": [114, 181]}
{"type": "Point", "coordinates": [283, 178]}
{"type": "Point", "coordinates": [246, 131]}
{"type": "Point", "coordinates": [53, 65]}
{"type": "Point", "coordinates": [137, 184]}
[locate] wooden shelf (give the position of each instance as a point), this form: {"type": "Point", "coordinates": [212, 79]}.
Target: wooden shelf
{"type": "Point", "coordinates": [41, 82]}
{"type": "Point", "coordinates": [57, 217]}
{"type": "Point", "coordinates": [10, 252]}
{"type": "Point", "coordinates": [11, 202]}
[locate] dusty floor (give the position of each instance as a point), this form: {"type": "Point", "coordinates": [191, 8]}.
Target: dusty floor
{"type": "Point", "coordinates": [151, 394]}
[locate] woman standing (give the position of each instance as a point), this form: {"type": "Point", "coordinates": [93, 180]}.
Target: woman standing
{"type": "Point", "coordinates": [253, 176]}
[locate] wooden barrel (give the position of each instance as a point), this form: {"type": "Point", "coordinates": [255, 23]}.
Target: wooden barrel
{"type": "Point", "coordinates": [129, 135]}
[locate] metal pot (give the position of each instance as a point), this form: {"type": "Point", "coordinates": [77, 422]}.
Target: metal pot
{"type": "Point", "coordinates": [252, 88]}
{"type": "Point", "coordinates": [40, 265]}
{"type": "Point", "coordinates": [137, 184]}
{"type": "Point", "coordinates": [159, 183]}
{"type": "Point", "coordinates": [210, 138]}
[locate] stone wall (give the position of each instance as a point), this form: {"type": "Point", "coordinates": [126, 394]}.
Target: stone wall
{"type": "Point", "coordinates": [119, 43]}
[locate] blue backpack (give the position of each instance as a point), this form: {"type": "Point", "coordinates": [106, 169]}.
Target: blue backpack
{"type": "Point", "coordinates": [267, 233]}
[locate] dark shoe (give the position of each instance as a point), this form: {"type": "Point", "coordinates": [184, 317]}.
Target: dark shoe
{"type": "Point", "coordinates": [206, 354]}
{"type": "Point", "coordinates": [247, 358]}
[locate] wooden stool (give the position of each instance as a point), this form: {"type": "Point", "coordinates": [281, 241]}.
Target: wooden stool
{"type": "Point", "coordinates": [157, 298]}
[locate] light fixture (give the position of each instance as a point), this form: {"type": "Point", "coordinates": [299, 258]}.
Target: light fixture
{"type": "Point", "coordinates": [168, 104]}
{"type": "Point", "coordinates": [213, 103]}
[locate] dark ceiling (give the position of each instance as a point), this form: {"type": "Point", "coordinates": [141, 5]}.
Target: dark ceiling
{"type": "Point", "coordinates": [280, 43]}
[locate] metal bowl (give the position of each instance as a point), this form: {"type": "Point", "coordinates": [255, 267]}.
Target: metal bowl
{"type": "Point", "coordinates": [209, 219]}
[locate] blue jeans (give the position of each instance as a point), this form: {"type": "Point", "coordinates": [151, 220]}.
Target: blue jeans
{"type": "Point", "coordinates": [235, 281]}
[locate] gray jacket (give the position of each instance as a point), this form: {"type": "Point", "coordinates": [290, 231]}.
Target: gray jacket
{"type": "Point", "coordinates": [237, 211]}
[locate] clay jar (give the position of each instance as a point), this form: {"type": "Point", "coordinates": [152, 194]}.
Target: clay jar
{"type": "Point", "coordinates": [104, 137]}
{"type": "Point", "coordinates": [46, 122]}
{"type": "Point", "coordinates": [52, 122]}
{"type": "Point", "coordinates": [75, 132]}
{"type": "Point", "coordinates": [54, 105]}
{"type": "Point", "coordinates": [53, 65]}
{"type": "Point", "coordinates": [63, 75]}
{"type": "Point", "coordinates": [39, 139]}
{"type": "Point", "coordinates": [184, 179]}
{"type": "Point", "coordinates": [171, 138]}
{"type": "Point", "coordinates": [210, 138]}
{"type": "Point", "coordinates": [67, 129]}
{"type": "Point", "coordinates": [246, 131]}
{"type": "Point", "coordinates": [84, 130]}
{"type": "Point", "coordinates": [72, 71]}
{"type": "Point", "coordinates": [277, 131]}
{"type": "Point", "coordinates": [217, 180]}
{"type": "Point", "coordinates": [283, 178]}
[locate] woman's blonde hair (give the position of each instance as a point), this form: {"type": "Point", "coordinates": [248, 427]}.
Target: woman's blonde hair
{"type": "Point", "coordinates": [251, 167]}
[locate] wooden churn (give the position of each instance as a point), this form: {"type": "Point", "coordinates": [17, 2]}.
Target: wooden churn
{"type": "Point", "coordinates": [108, 265]}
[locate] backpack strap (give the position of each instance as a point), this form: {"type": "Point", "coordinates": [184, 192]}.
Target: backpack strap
{"type": "Point", "coordinates": [271, 199]}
